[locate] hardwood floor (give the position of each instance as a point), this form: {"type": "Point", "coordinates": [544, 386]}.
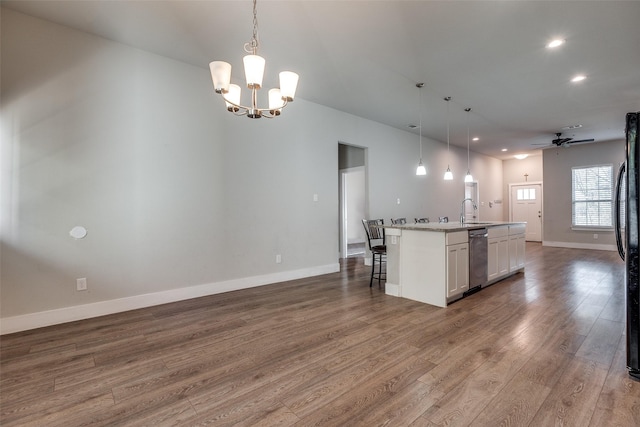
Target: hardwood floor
{"type": "Point", "coordinates": [540, 349]}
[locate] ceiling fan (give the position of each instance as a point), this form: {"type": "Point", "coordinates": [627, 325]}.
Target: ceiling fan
{"type": "Point", "coordinates": [564, 142]}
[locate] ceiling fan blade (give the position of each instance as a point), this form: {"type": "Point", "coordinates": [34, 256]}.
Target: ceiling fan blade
{"type": "Point", "coordinates": [561, 141]}
{"type": "Point", "coordinates": [581, 140]}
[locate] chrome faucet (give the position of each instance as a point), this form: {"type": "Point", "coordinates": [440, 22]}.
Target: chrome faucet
{"type": "Point", "coordinates": [462, 209]}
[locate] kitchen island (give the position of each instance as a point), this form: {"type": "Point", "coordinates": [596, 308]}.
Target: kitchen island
{"type": "Point", "coordinates": [430, 262]}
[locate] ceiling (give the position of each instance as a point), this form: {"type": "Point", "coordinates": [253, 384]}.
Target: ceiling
{"type": "Point", "coordinates": [365, 58]}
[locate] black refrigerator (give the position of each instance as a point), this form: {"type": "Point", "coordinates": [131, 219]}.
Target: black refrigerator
{"type": "Point", "coordinates": [626, 227]}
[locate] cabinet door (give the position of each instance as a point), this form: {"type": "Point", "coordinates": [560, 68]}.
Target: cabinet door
{"type": "Point", "coordinates": [513, 253]}
{"type": "Point", "coordinates": [457, 269]}
{"type": "Point", "coordinates": [503, 256]}
{"type": "Point", "coordinates": [492, 258]}
{"type": "Point", "coordinates": [522, 244]}
{"type": "Point", "coordinates": [517, 244]}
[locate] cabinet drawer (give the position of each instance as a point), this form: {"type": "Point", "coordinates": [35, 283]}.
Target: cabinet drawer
{"type": "Point", "coordinates": [498, 231]}
{"type": "Point", "coordinates": [457, 237]}
{"type": "Point", "coordinates": [516, 229]}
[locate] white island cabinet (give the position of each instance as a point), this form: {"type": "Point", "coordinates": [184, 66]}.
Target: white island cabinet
{"type": "Point", "coordinates": [457, 264]}
{"type": "Point", "coordinates": [427, 266]}
{"type": "Point", "coordinates": [430, 262]}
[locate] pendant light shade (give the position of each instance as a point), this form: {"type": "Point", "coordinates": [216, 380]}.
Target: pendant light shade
{"type": "Point", "coordinates": [421, 169]}
{"type": "Point", "coordinates": [448, 175]}
{"type": "Point", "coordinates": [468, 177]}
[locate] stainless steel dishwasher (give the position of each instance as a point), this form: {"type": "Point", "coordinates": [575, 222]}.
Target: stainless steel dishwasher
{"type": "Point", "coordinates": [478, 264]}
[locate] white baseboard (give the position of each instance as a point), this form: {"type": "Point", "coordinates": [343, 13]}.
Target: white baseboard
{"type": "Point", "coordinates": [41, 319]}
{"type": "Point", "coordinates": [391, 289]}
{"type": "Point", "coordinates": [571, 245]}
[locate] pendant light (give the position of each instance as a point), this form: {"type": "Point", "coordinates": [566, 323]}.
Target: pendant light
{"type": "Point", "coordinates": [448, 175]}
{"type": "Point", "coordinates": [421, 170]}
{"type": "Point", "coordinates": [468, 177]}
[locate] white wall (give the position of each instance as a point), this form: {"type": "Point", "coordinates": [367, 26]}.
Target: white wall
{"type": "Point", "coordinates": [514, 171]}
{"type": "Point", "coordinates": [557, 164]}
{"type": "Point", "coordinates": [180, 198]}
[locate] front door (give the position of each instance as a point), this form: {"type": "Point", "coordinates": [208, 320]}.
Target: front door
{"type": "Point", "coordinates": [526, 206]}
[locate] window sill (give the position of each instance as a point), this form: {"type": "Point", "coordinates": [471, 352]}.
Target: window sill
{"type": "Point", "coordinates": [582, 228]}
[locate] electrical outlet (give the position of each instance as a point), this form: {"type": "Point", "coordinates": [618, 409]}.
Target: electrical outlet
{"type": "Point", "coordinates": [398, 201]}
{"type": "Point", "coordinates": [278, 259]}
{"type": "Point", "coordinates": [81, 284]}
{"type": "Point", "coordinates": [595, 236]}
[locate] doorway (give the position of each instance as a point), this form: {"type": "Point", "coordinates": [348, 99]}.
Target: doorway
{"type": "Point", "coordinates": [525, 205]}
{"type": "Point", "coordinates": [352, 193]}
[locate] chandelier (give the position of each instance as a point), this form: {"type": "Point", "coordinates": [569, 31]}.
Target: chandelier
{"type": "Point", "coordinates": [254, 71]}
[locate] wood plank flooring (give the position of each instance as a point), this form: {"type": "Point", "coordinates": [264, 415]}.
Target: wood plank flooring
{"type": "Point", "coordinates": [538, 349]}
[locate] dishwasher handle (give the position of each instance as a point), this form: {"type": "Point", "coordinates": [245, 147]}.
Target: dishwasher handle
{"type": "Point", "coordinates": [475, 234]}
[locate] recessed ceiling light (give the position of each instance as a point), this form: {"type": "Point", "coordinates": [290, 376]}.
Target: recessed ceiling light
{"type": "Point", "coordinates": [504, 149]}
{"type": "Point", "coordinates": [475, 138]}
{"type": "Point", "coordinates": [572, 127]}
{"type": "Point", "coordinates": [578, 78]}
{"type": "Point", "coordinates": [521, 156]}
{"type": "Point", "coordinates": [555, 43]}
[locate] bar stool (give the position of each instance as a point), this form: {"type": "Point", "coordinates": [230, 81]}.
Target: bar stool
{"type": "Point", "coordinates": [378, 248]}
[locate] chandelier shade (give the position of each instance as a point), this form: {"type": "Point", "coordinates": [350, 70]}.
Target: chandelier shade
{"type": "Point", "coordinates": [254, 70]}
{"type": "Point", "coordinates": [254, 66]}
{"type": "Point", "coordinates": [221, 75]}
{"type": "Point", "coordinates": [288, 85]}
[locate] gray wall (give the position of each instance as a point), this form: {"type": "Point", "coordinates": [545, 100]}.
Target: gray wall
{"type": "Point", "coordinates": [180, 198]}
{"type": "Point", "coordinates": [557, 164]}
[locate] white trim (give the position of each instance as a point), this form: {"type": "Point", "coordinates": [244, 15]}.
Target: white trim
{"type": "Point", "coordinates": [86, 311]}
{"type": "Point", "coordinates": [572, 245]}
{"type": "Point", "coordinates": [391, 289]}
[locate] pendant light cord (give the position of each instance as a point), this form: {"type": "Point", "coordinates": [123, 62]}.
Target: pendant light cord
{"type": "Point", "coordinates": [468, 110]}
{"type": "Point", "coordinates": [420, 120]}
{"type": "Point", "coordinates": [448, 98]}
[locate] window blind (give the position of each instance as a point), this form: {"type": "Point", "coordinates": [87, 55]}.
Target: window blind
{"type": "Point", "coordinates": [592, 190]}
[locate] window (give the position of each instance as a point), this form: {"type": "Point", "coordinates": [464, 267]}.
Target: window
{"type": "Point", "coordinates": [526, 194]}
{"type": "Point", "coordinates": [592, 196]}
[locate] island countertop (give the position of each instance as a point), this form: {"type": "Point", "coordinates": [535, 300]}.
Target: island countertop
{"type": "Point", "coordinates": [447, 227]}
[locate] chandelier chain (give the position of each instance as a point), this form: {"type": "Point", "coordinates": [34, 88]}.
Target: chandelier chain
{"type": "Point", "coordinates": [252, 45]}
